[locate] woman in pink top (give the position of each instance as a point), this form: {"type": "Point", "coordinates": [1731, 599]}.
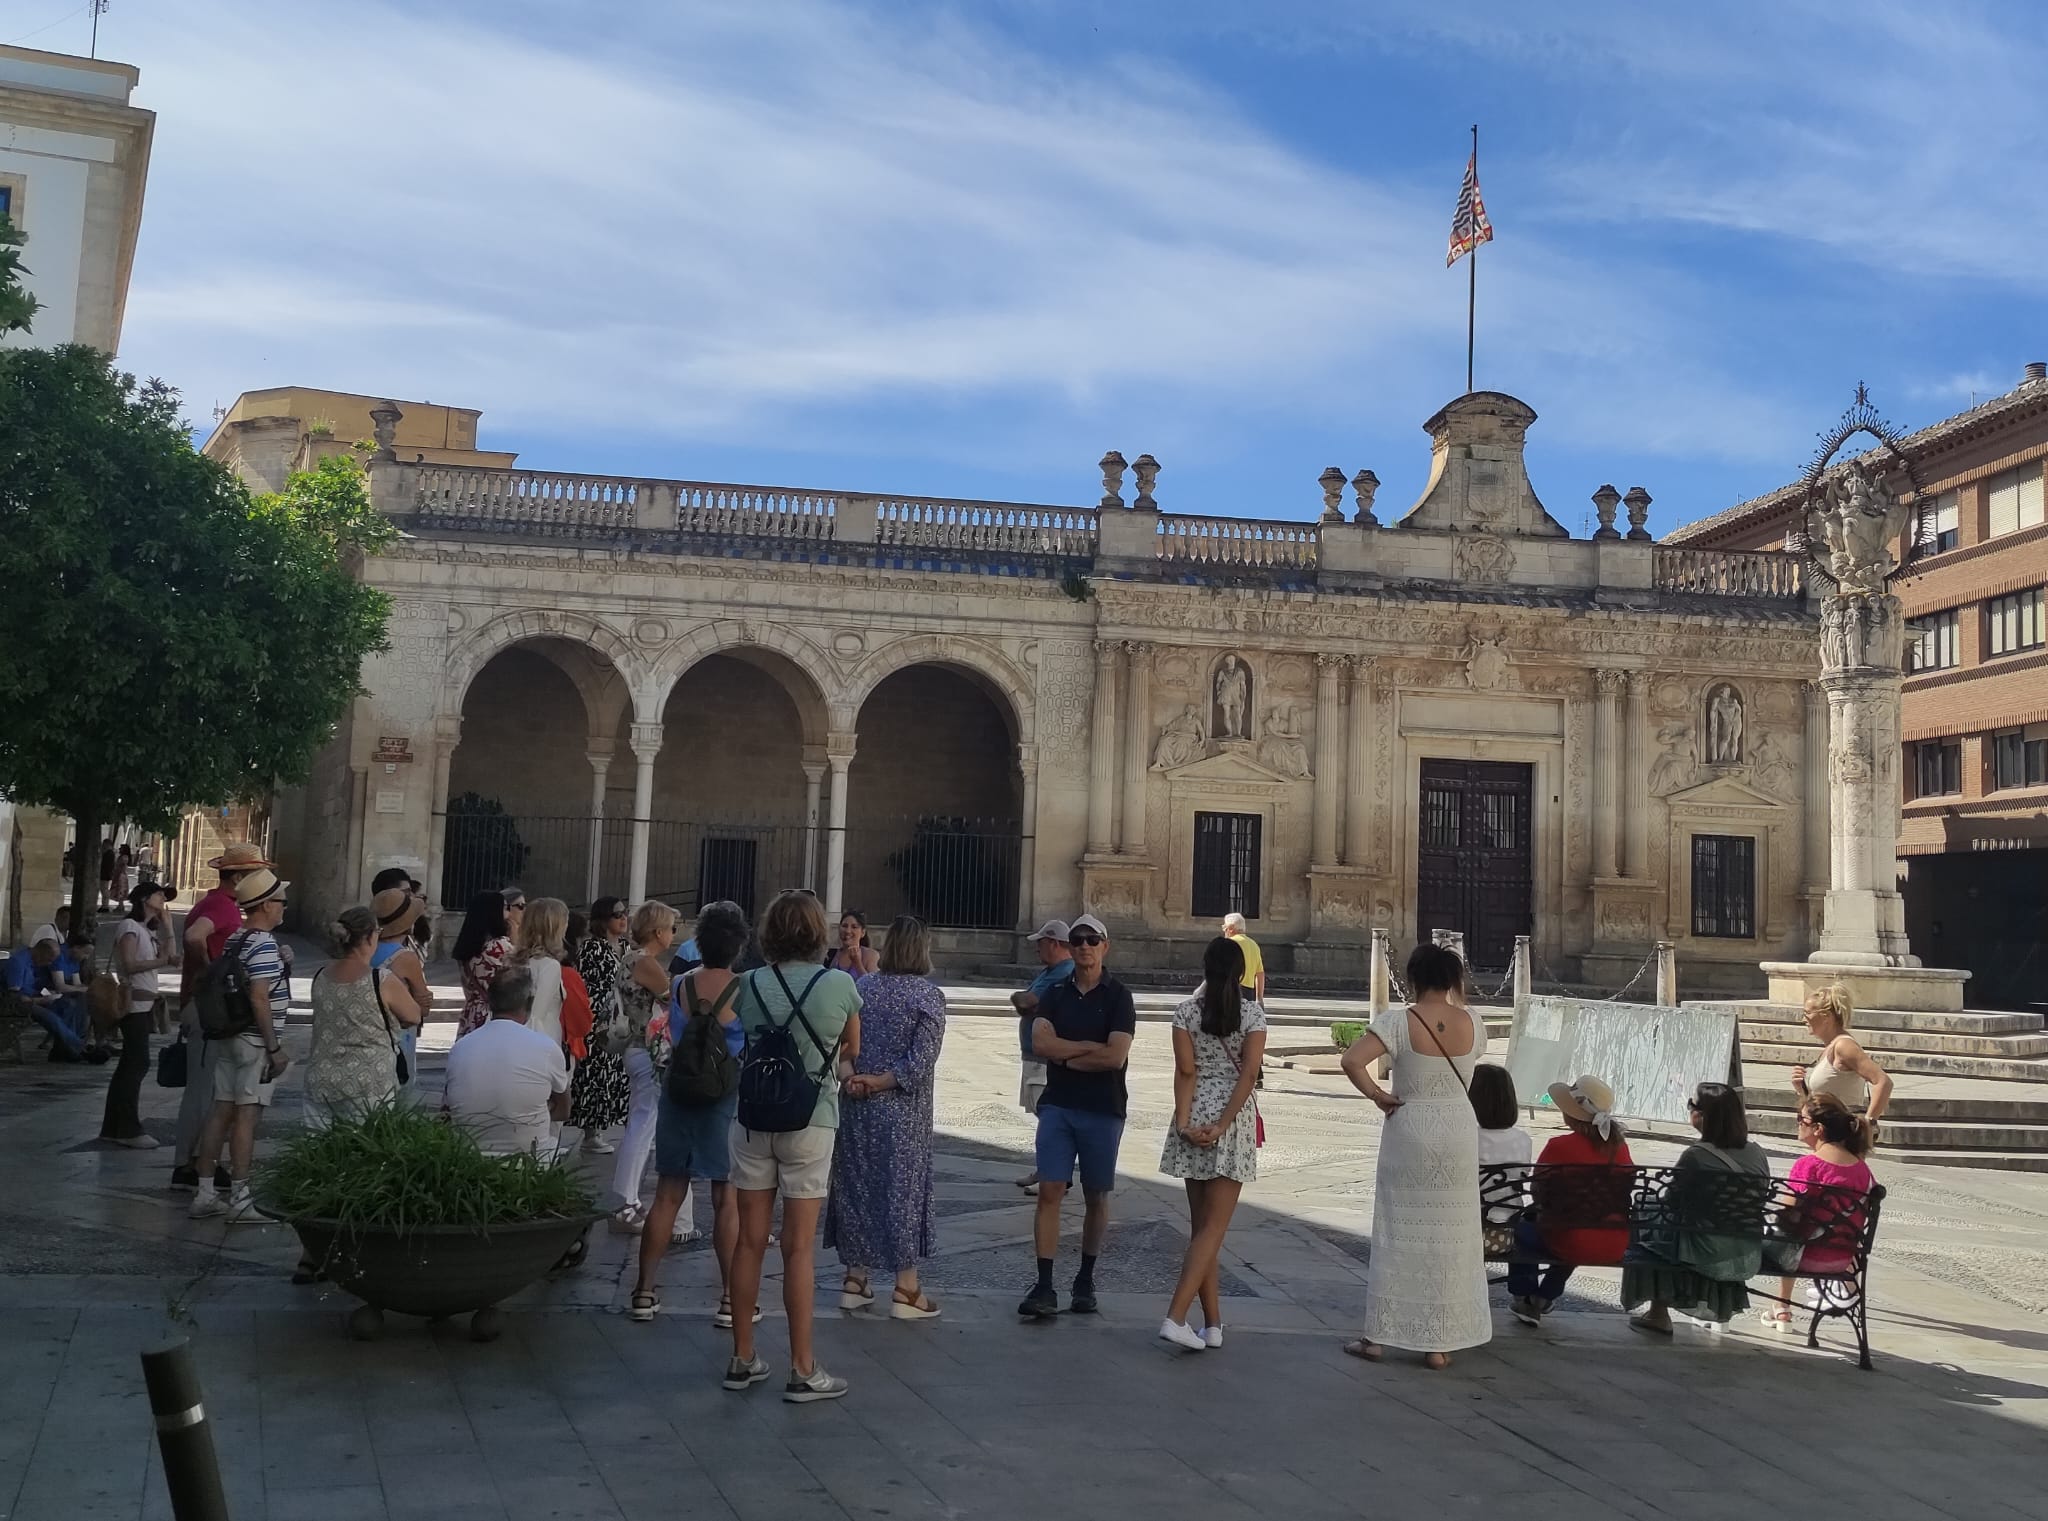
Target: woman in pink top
{"type": "Point", "coordinates": [1838, 1141]}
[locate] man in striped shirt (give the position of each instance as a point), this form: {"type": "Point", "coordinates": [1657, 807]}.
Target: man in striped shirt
{"type": "Point", "coordinates": [244, 1063]}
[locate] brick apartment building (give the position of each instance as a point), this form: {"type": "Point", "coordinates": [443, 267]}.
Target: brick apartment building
{"type": "Point", "coordinates": [1973, 846]}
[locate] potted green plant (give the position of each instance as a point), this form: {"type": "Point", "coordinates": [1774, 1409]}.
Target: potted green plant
{"type": "Point", "coordinates": [405, 1211]}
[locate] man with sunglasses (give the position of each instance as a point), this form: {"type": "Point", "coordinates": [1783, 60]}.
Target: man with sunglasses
{"type": "Point", "coordinates": [1083, 1034]}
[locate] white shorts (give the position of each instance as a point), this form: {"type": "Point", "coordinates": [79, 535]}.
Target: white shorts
{"type": "Point", "coordinates": [798, 1163]}
{"type": "Point", "coordinates": [238, 1065]}
{"type": "Point", "coordinates": [1032, 1088]}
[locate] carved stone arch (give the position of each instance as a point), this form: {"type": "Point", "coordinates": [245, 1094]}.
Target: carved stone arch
{"type": "Point", "coordinates": [1004, 675]}
{"type": "Point", "coordinates": [525, 625]}
{"type": "Point", "coordinates": [790, 655]}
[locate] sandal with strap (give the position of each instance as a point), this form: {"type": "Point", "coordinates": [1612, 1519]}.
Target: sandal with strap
{"type": "Point", "coordinates": [642, 1306]}
{"type": "Point", "coordinates": [919, 1306]}
{"type": "Point", "coordinates": [856, 1293]}
{"type": "Point", "coordinates": [723, 1319]}
{"type": "Point", "coordinates": [1372, 1352]}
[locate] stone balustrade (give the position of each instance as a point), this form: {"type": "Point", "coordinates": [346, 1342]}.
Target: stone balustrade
{"type": "Point", "coordinates": [1765, 574]}
{"type": "Point", "coordinates": [755, 512]}
{"type": "Point", "coordinates": [541, 503]}
{"type": "Point", "coordinates": [1232, 542]}
{"type": "Point", "coordinates": [946, 523]}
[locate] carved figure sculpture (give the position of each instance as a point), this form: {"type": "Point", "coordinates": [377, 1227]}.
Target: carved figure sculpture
{"type": "Point", "coordinates": [1284, 750]}
{"type": "Point", "coordinates": [1674, 768]}
{"type": "Point", "coordinates": [1181, 742]}
{"type": "Point", "coordinates": [1487, 663]}
{"type": "Point", "coordinates": [1861, 519]}
{"type": "Point", "coordinates": [1724, 726]}
{"type": "Point", "coordinates": [1233, 699]}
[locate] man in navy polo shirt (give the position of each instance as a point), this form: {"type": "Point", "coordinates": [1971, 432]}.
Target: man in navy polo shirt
{"type": "Point", "coordinates": [1083, 1034]}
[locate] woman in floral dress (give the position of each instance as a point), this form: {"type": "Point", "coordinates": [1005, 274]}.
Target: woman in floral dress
{"type": "Point", "coordinates": [1219, 1044]}
{"type": "Point", "coordinates": [483, 947]}
{"type": "Point", "coordinates": [601, 1095]}
{"type": "Point", "coordinates": [879, 1213]}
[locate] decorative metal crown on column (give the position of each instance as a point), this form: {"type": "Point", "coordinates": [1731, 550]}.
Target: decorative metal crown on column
{"type": "Point", "coordinates": [1856, 511]}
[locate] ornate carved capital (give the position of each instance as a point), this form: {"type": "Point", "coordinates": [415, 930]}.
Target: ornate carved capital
{"type": "Point", "coordinates": [1137, 649]}
{"type": "Point", "coordinates": [1608, 680]}
{"type": "Point", "coordinates": [646, 741]}
{"type": "Point", "coordinates": [1638, 685]}
{"type": "Point", "coordinates": [839, 750]}
{"type": "Point", "coordinates": [1106, 651]}
{"type": "Point", "coordinates": [599, 753]}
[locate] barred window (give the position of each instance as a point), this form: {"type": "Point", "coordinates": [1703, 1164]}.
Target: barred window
{"type": "Point", "coordinates": [2014, 622]}
{"type": "Point", "coordinates": [1227, 864]}
{"type": "Point", "coordinates": [1724, 886]}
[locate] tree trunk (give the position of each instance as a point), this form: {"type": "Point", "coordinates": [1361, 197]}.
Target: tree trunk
{"type": "Point", "coordinates": [85, 866]}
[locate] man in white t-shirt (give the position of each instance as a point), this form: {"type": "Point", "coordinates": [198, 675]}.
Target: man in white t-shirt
{"type": "Point", "coordinates": [505, 1082]}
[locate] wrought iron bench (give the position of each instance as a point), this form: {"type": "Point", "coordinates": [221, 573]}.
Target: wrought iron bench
{"type": "Point", "coordinates": [1825, 1232]}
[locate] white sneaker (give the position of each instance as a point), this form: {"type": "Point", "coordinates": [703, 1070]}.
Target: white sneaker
{"type": "Point", "coordinates": [683, 1234]}
{"type": "Point", "coordinates": [207, 1205]}
{"type": "Point", "coordinates": [1182, 1335]}
{"type": "Point", "coordinates": [242, 1208]}
{"type": "Point", "coordinates": [1212, 1337]}
{"type": "Point", "coordinates": [593, 1142]}
{"type": "Point", "coordinates": [629, 1221]}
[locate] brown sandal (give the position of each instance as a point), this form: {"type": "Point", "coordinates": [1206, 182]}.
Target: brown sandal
{"type": "Point", "coordinates": [919, 1306]}
{"type": "Point", "coordinates": [1371, 1352]}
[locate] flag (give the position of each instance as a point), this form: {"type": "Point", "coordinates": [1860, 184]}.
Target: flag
{"type": "Point", "coordinates": [1469, 228]}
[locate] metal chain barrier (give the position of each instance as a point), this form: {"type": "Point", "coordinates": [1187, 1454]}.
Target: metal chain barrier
{"type": "Point", "coordinates": [1649, 964]}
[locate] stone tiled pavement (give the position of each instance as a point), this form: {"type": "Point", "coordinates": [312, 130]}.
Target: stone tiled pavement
{"type": "Point", "coordinates": [579, 1413]}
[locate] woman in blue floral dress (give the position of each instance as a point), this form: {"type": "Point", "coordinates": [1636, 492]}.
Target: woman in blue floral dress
{"type": "Point", "coordinates": [879, 1214]}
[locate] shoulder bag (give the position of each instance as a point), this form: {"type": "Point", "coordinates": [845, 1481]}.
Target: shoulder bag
{"type": "Point", "coordinates": [1258, 1117]}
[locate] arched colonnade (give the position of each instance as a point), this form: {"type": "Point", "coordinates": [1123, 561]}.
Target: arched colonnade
{"type": "Point", "coordinates": [888, 774]}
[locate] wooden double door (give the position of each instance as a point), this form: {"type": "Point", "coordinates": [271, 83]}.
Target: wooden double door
{"type": "Point", "coordinates": [1473, 868]}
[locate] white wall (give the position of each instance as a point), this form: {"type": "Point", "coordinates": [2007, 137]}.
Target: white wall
{"type": "Point", "coordinates": [50, 208]}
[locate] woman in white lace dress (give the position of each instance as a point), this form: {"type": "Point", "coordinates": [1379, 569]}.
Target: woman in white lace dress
{"type": "Point", "coordinates": [1427, 1287]}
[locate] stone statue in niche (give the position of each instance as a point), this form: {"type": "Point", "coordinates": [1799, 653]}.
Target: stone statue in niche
{"type": "Point", "coordinates": [1676, 766]}
{"type": "Point", "coordinates": [1181, 742]}
{"type": "Point", "coordinates": [1284, 750]}
{"type": "Point", "coordinates": [1233, 700]}
{"type": "Point", "coordinates": [1724, 726]}
{"type": "Point", "coordinates": [1487, 664]}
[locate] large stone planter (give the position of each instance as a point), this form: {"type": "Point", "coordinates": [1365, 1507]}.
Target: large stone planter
{"type": "Point", "coordinates": [439, 1271]}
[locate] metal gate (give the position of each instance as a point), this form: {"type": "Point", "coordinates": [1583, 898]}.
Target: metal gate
{"type": "Point", "coordinates": [1472, 871]}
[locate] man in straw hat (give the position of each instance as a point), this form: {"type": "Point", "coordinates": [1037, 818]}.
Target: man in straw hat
{"type": "Point", "coordinates": [244, 1063]}
{"type": "Point", "coordinates": [208, 923]}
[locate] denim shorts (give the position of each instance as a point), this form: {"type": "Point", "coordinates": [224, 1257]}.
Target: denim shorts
{"type": "Point", "coordinates": [1066, 1136]}
{"type": "Point", "coordinates": [691, 1141]}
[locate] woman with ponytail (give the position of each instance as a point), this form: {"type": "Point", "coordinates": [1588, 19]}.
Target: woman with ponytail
{"type": "Point", "coordinates": [1845, 1071]}
{"type": "Point", "coordinates": [1219, 1043]}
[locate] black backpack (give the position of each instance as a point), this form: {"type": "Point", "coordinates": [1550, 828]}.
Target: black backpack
{"type": "Point", "coordinates": [778, 1093]}
{"type": "Point", "coordinates": [226, 1004]}
{"type": "Point", "coordinates": [701, 1067]}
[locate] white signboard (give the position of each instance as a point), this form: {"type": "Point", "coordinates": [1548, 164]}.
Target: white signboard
{"type": "Point", "coordinates": [1651, 1055]}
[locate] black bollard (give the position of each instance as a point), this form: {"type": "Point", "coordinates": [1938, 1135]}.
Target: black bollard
{"type": "Point", "coordinates": [191, 1471]}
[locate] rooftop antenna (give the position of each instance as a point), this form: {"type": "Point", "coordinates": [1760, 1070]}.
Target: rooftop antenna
{"type": "Point", "coordinates": [99, 9]}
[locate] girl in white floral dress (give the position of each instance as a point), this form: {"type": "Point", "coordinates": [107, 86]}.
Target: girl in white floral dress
{"type": "Point", "coordinates": [1219, 1042]}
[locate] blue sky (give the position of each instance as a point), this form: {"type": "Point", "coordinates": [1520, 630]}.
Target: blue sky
{"type": "Point", "coordinates": [962, 249]}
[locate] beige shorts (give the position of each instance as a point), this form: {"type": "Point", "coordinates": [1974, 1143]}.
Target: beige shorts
{"type": "Point", "coordinates": [1032, 1088]}
{"type": "Point", "coordinates": [238, 1070]}
{"type": "Point", "coordinates": [798, 1163]}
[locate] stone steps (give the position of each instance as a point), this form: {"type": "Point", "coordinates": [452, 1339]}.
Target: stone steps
{"type": "Point", "coordinates": [1932, 1064]}
{"type": "Point", "coordinates": [1958, 1134]}
{"type": "Point", "coordinates": [1925, 1042]}
{"type": "Point", "coordinates": [1870, 1021]}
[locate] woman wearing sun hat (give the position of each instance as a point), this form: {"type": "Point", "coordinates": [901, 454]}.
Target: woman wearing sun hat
{"type": "Point", "coordinates": [1593, 1139]}
{"type": "Point", "coordinates": [397, 909]}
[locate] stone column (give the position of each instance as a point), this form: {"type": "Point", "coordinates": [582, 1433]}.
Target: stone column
{"type": "Point", "coordinates": [814, 781]}
{"type": "Point", "coordinates": [1814, 793]}
{"type": "Point", "coordinates": [600, 757]}
{"type": "Point", "coordinates": [1102, 752]}
{"type": "Point", "coordinates": [1606, 773]}
{"type": "Point", "coordinates": [1329, 761]}
{"type": "Point", "coordinates": [447, 735]}
{"type": "Point", "coordinates": [1137, 748]}
{"type": "Point", "coordinates": [1635, 840]}
{"type": "Point", "coordinates": [839, 756]}
{"type": "Point", "coordinates": [646, 740]}
{"type": "Point", "coordinates": [1864, 923]}
{"type": "Point", "coordinates": [1358, 768]}
{"type": "Point", "coordinates": [1027, 846]}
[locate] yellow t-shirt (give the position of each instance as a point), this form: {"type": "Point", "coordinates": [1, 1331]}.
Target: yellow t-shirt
{"type": "Point", "coordinates": [1254, 963]}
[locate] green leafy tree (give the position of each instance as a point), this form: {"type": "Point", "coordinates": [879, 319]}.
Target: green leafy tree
{"type": "Point", "coordinates": [17, 306]}
{"type": "Point", "coordinates": [165, 638]}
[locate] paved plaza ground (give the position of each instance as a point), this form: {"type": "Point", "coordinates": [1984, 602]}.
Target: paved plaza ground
{"type": "Point", "coordinates": [578, 1413]}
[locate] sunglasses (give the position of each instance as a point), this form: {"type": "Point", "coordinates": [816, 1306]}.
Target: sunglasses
{"type": "Point", "coordinates": [1084, 940]}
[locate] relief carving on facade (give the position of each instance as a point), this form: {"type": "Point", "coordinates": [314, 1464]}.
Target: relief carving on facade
{"type": "Point", "coordinates": [1774, 768]}
{"type": "Point", "coordinates": [1066, 687]}
{"type": "Point", "coordinates": [1175, 672]}
{"type": "Point", "coordinates": [1482, 557]}
{"type": "Point", "coordinates": [1677, 764]}
{"type": "Point", "coordinates": [1284, 751]}
{"type": "Point", "coordinates": [1182, 742]}
{"type": "Point", "coordinates": [1724, 725]}
{"type": "Point", "coordinates": [1488, 666]}
{"type": "Point", "coordinates": [1231, 692]}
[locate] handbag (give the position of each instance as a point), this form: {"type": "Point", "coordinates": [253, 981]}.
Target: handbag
{"type": "Point", "coordinates": [398, 1061]}
{"type": "Point", "coordinates": [171, 1064]}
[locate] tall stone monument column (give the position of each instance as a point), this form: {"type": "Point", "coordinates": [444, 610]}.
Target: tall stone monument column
{"type": "Point", "coordinates": [1858, 520]}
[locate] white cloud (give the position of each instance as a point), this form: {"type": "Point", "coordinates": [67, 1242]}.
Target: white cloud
{"type": "Point", "coordinates": [755, 221]}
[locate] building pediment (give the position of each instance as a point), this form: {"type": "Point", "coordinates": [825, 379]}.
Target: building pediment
{"type": "Point", "coordinates": [1231, 767]}
{"type": "Point", "coordinates": [1723, 792]}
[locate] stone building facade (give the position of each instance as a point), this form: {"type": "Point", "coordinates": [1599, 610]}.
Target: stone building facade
{"type": "Point", "coordinates": [1973, 762]}
{"type": "Point", "coordinates": [991, 713]}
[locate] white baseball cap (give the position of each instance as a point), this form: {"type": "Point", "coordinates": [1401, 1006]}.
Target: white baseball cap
{"type": "Point", "coordinates": [1088, 922]}
{"type": "Point", "coordinates": [1053, 929]}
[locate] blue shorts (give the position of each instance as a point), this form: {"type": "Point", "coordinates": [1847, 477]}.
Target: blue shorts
{"type": "Point", "coordinates": [692, 1141]}
{"type": "Point", "coordinates": [1066, 1136]}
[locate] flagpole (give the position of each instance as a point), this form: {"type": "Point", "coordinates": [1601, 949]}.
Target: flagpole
{"type": "Point", "coordinates": [1472, 273]}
